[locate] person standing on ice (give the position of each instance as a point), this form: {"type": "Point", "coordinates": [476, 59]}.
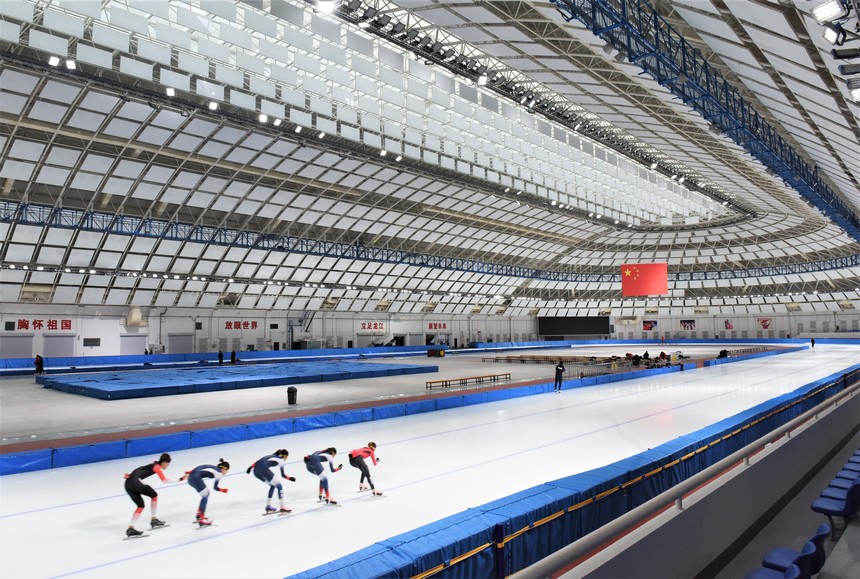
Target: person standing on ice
{"type": "Point", "coordinates": [195, 479]}
{"type": "Point", "coordinates": [270, 470]}
{"type": "Point", "coordinates": [356, 459]}
{"type": "Point", "coordinates": [137, 489]}
{"type": "Point", "coordinates": [314, 463]}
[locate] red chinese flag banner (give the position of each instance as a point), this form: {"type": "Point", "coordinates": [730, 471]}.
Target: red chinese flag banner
{"type": "Point", "coordinates": [644, 279]}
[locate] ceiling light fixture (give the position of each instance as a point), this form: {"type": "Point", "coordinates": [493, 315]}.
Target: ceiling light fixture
{"type": "Point", "coordinates": [71, 65]}
{"type": "Point", "coordinates": [277, 122]}
{"type": "Point", "coordinates": [834, 34]}
{"type": "Point", "coordinates": [298, 129]}
{"type": "Point", "coordinates": [321, 135]}
{"type": "Point", "coordinates": [264, 118]}
{"type": "Point", "coordinates": [326, 6]}
{"type": "Point", "coordinates": [54, 60]}
{"type": "Point", "coordinates": [829, 11]}
{"type": "Point", "coordinates": [845, 53]}
{"type": "Point", "coordinates": [854, 89]}
{"type": "Point", "coordinates": [170, 91]}
{"type": "Point", "coordinates": [213, 106]}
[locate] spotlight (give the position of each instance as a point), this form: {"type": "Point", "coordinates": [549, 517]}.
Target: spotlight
{"type": "Point", "coordinates": [54, 60]}
{"type": "Point", "coordinates": [829, 11]}
{"type": "Point", "coordinates": [277, 122]}
{"type": "Point", "coordinates": [170, 91]}
{"type": "Point", "coordinates": [854, 89]}
{"type": "Point", "coordinates": [411, 35]}
{"type": "Point", "coordinates": [326, 6]}
{"type": "Point", "coordinates": [264, 118]}
{"type": "Point", "coordinates": [834, 34]}
{"type": "Point", "coordinates": [213, 106]}
{"type": "Point", "coordinates": [482, 80]}
{"type": "Point", "coordinates": [71, 65]}
{"type": "Point", "coordinates": [353, 5]}
{"type": "Point", "coordinates": [846, 69]}
{"type": "Point", "coordinates": [383, 21]}
{"type": "Point", "coordinates": [845, 53]}
{"type": "Point", "coordinates": [436, 48]}
{"type": "Point", "coordinates": [654, 165]}
{"type": "Point", "coordinates": [397, 28]}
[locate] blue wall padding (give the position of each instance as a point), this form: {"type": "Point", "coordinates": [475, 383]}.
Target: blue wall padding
{"type": "Point", "coordinates": [420, 406]}
{"type": "Point", "coordinates": [220, 435]}
{"type": "Point", "coordinates": [87, 453]}
{"type": "Point", "coordinates": [269, 428]}
{"type": "Point", "coordinates": [353, 416]}
{"type": "Point", "coordinates": [373, 561]}
{"type": "Point", "coordinates": [502, 394]}
{"type": "Point", "coordinates": [26, 461]}
{"type": "Point", "coordinates": [158, 444]}
{"type": "Point", "coordinates": [449, 402]}
{"type": "Point", "coordinates": [313, 422]}
{"type": "Point", "coordinates": [476, 398]}
{"type": "Point", "coordinates": [389, 411]}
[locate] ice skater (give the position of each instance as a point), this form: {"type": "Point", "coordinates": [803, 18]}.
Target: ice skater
{"type": "Point", "coordinates": [314, 463]}
{"type": "Point", "coordinates": [270, 470]}
{"type": "Point", "coordinates": [356, 459]}
{"type": "Point", "coordinates": [195, 479]}
{"type": "Point", "coordinates": [136, 489]}
{"type": "Point", "coordinates": [559, 375]}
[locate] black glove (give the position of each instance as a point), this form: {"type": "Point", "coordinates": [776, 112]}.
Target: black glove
{"type": "Point", "coordinates": [291, 478]}
{"type": "Point", "coordinates": [340, 466]}
{"type": "Point", "coordinates": [378, 459]}
{"type": "Point", "coordinates": [249, 469]}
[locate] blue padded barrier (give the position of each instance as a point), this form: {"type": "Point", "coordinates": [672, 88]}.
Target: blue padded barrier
{"type": "Point", "coordinates": [88, 453]}
{"type": "Point", "coordinates": [314, 421]}
{"type": "Point", "coordinates": [495, 395]}
{"type": "Point", "coordinates": [158, 444]}
{"type": "Point", "coordinates": [353, 416]}
{"type": "Point", "coordinates": [420, 406]}
{"type": "Point", "coordinates": [270, 428]}
{"type": "Point", "coordinates": [449, 402]}
{"type": "Point", "coordinates": [373, 561]}
{"type": "Point", "coordinates": [26, 461]}
{"type": "Point", "coordinates": [523, 509]}
{"type": "Point", "coordinates": [476, 398]}
{"type": "Point", "coordinates": [221, 435]}
{"type": "Point", "coordinates": [389, 411]}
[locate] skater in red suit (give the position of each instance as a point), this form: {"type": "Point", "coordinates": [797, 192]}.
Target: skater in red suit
{"type": "Point", "coordinates": [136, 489]}
{"type": "Point", "coordinates": [267, 470]}
{"type": "Point", "coordinates": [195, 479]}
{"type": "Point", "coordinates": [356, 459]}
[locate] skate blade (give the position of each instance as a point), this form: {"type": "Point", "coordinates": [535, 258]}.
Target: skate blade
{"type": "Point", "coordinates": [127, 538]}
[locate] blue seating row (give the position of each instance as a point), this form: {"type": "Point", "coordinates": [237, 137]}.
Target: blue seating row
{"type": "Point", "coordinates": [784, 563]}
{"type": "Point", "coordinates": [841, 498]}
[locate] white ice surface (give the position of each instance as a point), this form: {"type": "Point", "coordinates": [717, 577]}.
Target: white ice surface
{"type": "Point", "coordinates": [70, 522]}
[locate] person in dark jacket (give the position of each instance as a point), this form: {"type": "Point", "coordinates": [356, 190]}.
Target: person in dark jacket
{"type": "Point", "coordinates": [559, 375]}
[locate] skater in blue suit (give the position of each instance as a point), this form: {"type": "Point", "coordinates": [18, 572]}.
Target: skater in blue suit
{"type": "Point", "coordinates": [314, 463]}
{"type": "Point", "coordinates": [195, 479]}
{"type": "Point", "coordinates": [270, 470]}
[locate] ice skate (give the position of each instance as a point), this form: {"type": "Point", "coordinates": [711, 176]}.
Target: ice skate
{"type": "Point", "coordinates": [284, 511]}
{"type": "Point", "coordinates": [131, 533]}
{"type": "Point", "coordinates": [362, 488]}
{"type": "Point", "coordinates": [157, 524]}
{"type": "Point", "coordinates": [270, 510]}
{"type": "Point", "coordinates": [377, 493]}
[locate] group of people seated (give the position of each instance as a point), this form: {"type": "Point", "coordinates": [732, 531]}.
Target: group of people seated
{"type": "Point", "coordinates": [646, 360]}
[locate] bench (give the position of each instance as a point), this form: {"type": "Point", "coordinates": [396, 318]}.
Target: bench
{"type": "Point", "coordinates": [446, 383]}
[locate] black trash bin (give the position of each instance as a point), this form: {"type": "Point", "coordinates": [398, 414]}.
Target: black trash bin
{"type": "Point", "coordinates": [292, 392]}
